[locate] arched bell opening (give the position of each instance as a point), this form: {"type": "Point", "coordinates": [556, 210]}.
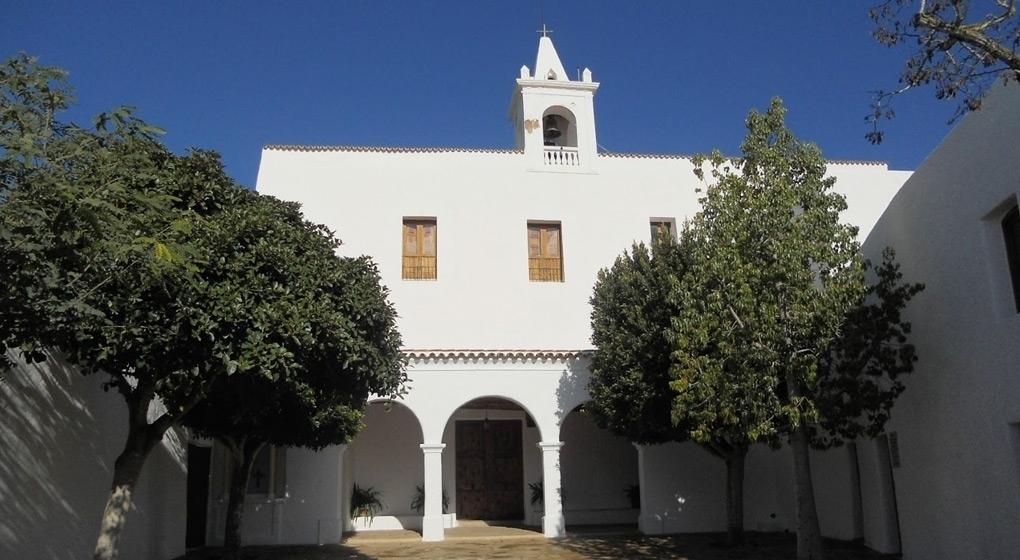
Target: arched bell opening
{"type": "Point", "coordinates": [599, 474]}
{"type": "Point", "coordinates": [492, 463]}
{"type": "Point", "coordinates": [559, 128]}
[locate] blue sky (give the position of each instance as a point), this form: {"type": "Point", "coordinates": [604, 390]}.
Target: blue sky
{"type": "Point", "coordinates": [677, 77]}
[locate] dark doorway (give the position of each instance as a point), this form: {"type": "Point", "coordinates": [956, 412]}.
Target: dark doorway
{"type": "Point", "coordinates": [198, 495]}
{"type": "Point", "coordinates": [490, 470]}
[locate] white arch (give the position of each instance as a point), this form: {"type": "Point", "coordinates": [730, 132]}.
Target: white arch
{"type": "Point", "coordinates": [569, 136]}
{"type": "Point", "coordinates": [451, 412]}
{"type": "Point", "coordinates": [389, 401]}
{"type": "Point", "coordinates": [563, 419]}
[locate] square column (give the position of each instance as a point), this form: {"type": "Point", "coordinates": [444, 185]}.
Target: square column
{"type": "Point", "coordinates": [648, 522]}
{"type": "Point", "coordinates": [432, 520]}
{"type": "Point", "coordinates": [553, 524]}
{"type": "Point", "coordinates": [343, 497]}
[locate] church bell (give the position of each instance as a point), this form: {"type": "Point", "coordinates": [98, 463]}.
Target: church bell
{"type": "Point", "coordinates": [549, 128]}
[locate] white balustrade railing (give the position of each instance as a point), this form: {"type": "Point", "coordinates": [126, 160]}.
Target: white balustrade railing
{"type": "Point", "coordinates": [561, 156]}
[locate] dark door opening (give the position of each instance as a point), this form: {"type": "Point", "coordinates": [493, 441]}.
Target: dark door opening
{"type": "Point", "coordinates": [198, 495]}
{"type": "Point", "coordinates": [490, 470]}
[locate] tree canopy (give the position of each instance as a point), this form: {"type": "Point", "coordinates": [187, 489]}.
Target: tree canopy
{"type": "Point", "coordinates": [635, 310]}
{"type": "Point", "coordinates": [781, 333]}
{"type": "Point", "coordinates": [161, 274]}
{"type": "Point", "coordinates": [961, 47]}
{"type": "Point", "coordinates": [774, 273]}
{"type": "Point", "coordinates": [313, 333]}
{"type": "Point", "coordinates": [631, 315]}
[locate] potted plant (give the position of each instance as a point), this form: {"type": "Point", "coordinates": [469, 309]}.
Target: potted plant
{"type": "Point", "coordinates": [365, 502]}
{"type": "Point", "coordinates": [418, 502]}
{"type": "Point", "coordinates": [537, 494]}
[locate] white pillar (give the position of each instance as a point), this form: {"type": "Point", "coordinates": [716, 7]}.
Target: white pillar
{"type": "Point", "coordinates": [648, 522]}
{"type": "Point", "coordinates": [342, 497]}
{"type": "Point", "coordinates": [432, 521]}
{"type": "Point", "coordinates": [275, 503]}
{"type": "Point", "coordinates": [552, 522]}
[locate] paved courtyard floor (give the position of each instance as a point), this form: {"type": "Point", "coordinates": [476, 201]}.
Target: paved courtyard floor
{"type": "Point", "coordinates": [528, 544]}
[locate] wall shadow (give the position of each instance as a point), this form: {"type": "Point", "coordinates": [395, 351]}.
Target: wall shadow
{"type": "Point", "coordinates": [59, 435]}
{"type": "Point", "coordinates": [49, 436]}
{"type": "Point", "coordinates": [709, 546]}
{"type": "Point", "coordinates": [572, 389]}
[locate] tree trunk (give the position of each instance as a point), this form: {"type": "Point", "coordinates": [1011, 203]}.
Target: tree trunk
{"type": "Point", "coordinates": [809, 536]}
{"type": "Point", "coordinates": [735, 495]}
{"type": "Point", "coordinates": [126, 470]}
{"type": "Point", "coordinates": [243, 455]}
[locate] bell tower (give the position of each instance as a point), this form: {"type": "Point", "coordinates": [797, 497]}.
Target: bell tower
{"type": "Point", "coordinates": [553, 116]}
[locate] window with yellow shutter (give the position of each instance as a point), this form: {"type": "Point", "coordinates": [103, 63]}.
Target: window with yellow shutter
{"type": "Point", "coordinates": [419, 249]}
{"type": "Point", "coordinates": [545, 260]}
{"type": "Point", "coordinates": [662, 228]}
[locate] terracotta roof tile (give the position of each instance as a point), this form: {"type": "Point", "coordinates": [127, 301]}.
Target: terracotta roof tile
{"type": "Point", "coordinates": [440, 150]}
{"type": "Point", "coordinates": [443, 355]}
{"type": "Point", "coordinates": [386, 149]}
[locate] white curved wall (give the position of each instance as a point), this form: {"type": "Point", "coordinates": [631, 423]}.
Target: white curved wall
{"type": "Point", "coordinates": [958, 422]}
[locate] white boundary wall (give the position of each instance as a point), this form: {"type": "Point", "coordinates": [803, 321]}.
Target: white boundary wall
{"type": "Point", "coordinates": [59, 436]}
{"type": "Point", "coordinates": [958, 422]}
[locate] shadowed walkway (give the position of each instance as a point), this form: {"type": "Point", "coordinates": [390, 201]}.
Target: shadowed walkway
{"type": "Point", "coordinates": [407, 545]}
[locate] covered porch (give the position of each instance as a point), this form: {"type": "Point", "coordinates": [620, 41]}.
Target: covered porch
{"type": "Point", "coordinates": [510, 447]}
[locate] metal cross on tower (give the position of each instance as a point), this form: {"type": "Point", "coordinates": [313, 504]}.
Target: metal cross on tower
{"type": "Point", "coordinates": [545, 31]}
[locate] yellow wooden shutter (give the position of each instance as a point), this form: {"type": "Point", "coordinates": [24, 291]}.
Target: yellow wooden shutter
{"type": "Point", "coordinates": [544, 248]}
{"type": "Point", "coordinates": [419, 250]}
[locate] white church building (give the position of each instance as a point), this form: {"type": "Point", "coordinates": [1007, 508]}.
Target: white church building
{"type": "Point", "coordinates": [490, 256]}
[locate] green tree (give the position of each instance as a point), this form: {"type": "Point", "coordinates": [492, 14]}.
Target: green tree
{"type": "Point", "coordinates": [116, 256]}
{"type": "Point", "coordinates": [633, 310]}
{"type": "Point", "coordinates": [775, 319]}
{"type": "Point", "coordinates": [312, 332]}
{"type": "Point", "coordinates": [97, 261]}
{"type": "Point", "coordinates": [960, 47]}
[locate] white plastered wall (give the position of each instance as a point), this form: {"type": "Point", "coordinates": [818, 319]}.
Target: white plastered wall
{"type": "Point", "coordinates": [482, 298]}
{"type": "Point", "coordinates": [307, 509]}
{"type": "Point", "coordinates": [59, 436]}
{"type": "Point", "coordinates": [597, 467]}
{"type": "Point", "coordinates": [688, 490]}
{"type": "Point", "coordinates": [385, 456]}
{"type": "Point", "coordinates": [958, 486]}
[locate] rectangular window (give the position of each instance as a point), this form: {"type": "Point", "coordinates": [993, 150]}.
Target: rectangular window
{"type": "Point", "coordinates": [545, 261]}
{"type": "Point", "coordinates": [1011, 231]}
{"type": "Point", "coordinates": [268, 472]}
{"type": "Point", "coordinates": [419, 249]}
{"type": "Point", "coordinates": [662, 227]}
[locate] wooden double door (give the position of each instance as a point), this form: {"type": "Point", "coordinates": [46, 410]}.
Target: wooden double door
{"type": "Point", "coordinates": [490, 470]}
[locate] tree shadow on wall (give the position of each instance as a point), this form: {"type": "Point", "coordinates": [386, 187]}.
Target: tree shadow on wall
{"type": "Point", "coordinates": [572, 389]}
{"type": "Point", "coordinates": [59, 436]}
{"type": "Point", "coordinates": [52, 456]}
